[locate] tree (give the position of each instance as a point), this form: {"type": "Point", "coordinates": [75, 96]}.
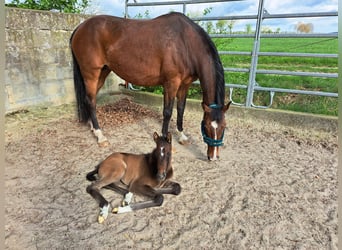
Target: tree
{"type": "Point", "coordinates": [209, 27]}
{"type": "Point", "coordinates": [221, 26]}
{"type": "Point", "coordinates": [231, 24]}
{"type": "Point", "coordinates": [66, 6]}
{"type": "Point", "coordinates": [146, 15]}
{"type": "Point", "coordinates": [249, 28]}
{"type": "Point", "coordinates": [304, 27]}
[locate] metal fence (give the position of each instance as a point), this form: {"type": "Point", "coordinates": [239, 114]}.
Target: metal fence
{"type": "Point", "coordinates": [252, 86]}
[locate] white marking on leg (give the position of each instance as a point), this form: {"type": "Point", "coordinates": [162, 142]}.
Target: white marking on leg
{"type": "Point", "coordinates": [124, 209]}
{"type": "Point", "coordinates": [91, 125]}
{"type": "Point", "coordinates": [182, 136]}
{"type": "Point", "coordinates": [100, 137]}
{"type": "Point", "coordinates": [128, 198]}
{"type": "Point", "coordinates": [103, 213]}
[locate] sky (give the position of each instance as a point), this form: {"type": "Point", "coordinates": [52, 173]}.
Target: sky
{"type": "Point", "coordinates": [247, 7]}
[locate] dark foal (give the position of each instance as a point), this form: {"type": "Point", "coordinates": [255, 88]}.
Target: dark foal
{"type": "Point", "coordinates": [144, 174]}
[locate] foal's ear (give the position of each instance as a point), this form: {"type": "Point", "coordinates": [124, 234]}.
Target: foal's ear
{"type": "Point", "coordinates": [226, 107]}
{"type": "Point", "coordinates": [169, 138]}
{"type": "Point", "coordinates": [155, 136]}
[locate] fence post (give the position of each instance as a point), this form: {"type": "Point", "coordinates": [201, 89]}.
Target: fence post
{"type": "Point", "coordinates": [255, 51]}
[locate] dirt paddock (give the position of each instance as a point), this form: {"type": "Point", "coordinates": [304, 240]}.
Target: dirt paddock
{"type": "Point", "coordinates": [274, 187]}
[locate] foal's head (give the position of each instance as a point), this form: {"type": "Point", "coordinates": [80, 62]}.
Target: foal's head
{"type": "Point", "coordinates": [213, 126]}
{"type": "Point", "coordinates": [162, 154]}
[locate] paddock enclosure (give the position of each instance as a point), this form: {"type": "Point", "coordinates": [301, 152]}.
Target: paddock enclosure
{"type": "Point", "coordinates": [274, 187]}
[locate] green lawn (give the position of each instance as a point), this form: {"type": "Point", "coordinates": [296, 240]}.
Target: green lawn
{"type": "Point", "coordinates": [303, 103]}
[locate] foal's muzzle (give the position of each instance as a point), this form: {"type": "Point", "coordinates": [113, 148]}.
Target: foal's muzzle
{"type": "Point", "coordinates": [161, 176]}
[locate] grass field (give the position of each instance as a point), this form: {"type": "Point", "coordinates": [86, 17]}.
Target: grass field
{"type": "Point", "coordinates": [294, 102]}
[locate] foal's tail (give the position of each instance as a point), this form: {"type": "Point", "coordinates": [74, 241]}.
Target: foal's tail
{"type": "Point", "coordinates": [91, 175]}
{"type": "Point", "coordinates": [83, 111]}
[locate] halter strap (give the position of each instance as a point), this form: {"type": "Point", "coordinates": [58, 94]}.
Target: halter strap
{"type": "Point", "coordinates": [215, 106]}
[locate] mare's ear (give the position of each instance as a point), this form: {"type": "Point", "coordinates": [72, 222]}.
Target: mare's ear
{"type": "Point", "coordinates": [155, 136]}
{"type": "Point", "coordinates": [169, 138]}
{"type": "Point", "coordinates": [205, 107]}
{"type": "Point", "coordinates": [226, 107]}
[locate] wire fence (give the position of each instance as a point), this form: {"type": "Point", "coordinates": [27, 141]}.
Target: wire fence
{"type": "Point", "coordinates": [252, 86]}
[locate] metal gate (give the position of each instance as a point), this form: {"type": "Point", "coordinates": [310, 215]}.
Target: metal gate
{"type": "Point", "coordinates": [252, 86]}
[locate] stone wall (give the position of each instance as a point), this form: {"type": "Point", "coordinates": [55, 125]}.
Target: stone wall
{"type": "Point", "coordinates": [38, 67]}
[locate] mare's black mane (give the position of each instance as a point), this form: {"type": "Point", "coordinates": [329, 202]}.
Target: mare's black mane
{"type": "Point", "coordinates": [219, 72]}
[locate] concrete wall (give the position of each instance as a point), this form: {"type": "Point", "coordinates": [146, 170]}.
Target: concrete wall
{"type": "Point", "coordinates": [38, 68]}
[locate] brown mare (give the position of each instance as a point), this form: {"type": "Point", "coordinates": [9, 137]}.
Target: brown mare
{"type": "Point", "coordinates": [144, 174]}
{"type": "Point", "coordinates": [170, 50]}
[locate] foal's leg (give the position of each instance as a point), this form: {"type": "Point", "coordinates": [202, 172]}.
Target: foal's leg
{"type": "Point", "coordinates": [94, 191]}
{"type": "Point", "coordinates": [170, 187]}
{"type": "Point", "coordinates": [156, 196]}
{"type": "Point", "coordinates": [127, 195]}
{"type": "Point", "coordinates": [110, 171]}
{"type": "Point", "coordinates": [157, 200]}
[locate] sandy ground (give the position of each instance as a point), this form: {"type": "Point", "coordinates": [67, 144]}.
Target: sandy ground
{"type": "Point", "coordinates": [274, 187]}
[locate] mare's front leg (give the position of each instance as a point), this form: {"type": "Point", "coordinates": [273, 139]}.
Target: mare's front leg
{"type": "Point", "coordinates": [181, 101]}
{"type": "Point", "coordinates": [167, 112]}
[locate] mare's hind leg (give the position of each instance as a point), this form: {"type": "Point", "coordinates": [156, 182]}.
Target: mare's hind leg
{"type": "Point", "coordinates": [156, 196]}
{"type": "Point", "coordinates": [93, 84]}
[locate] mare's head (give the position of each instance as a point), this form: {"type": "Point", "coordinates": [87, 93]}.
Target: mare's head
{"type": "Point", "coordinates": [213, 126]}
{"type": "Point", "coordinates": [162, 154]}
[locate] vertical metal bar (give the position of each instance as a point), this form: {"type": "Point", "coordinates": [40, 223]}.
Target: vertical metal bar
{"type": "Point", "coordinates": [184, 8]}
{"type": "Point", "coordinates": [254, 60]}
{"type": "Point", "coordinates": [126, 9]}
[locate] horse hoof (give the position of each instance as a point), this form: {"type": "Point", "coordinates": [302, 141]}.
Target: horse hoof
{"type": "Point", "coordinates": [115, 210]}
{"type": "Point", "coordinates": [103, 144]}
{"type": "Point", "coordinates": [183, 139]}
{"type": "Point", "coordinates": [184, 142]}
{"type": "Point", "coordinates": [101, 219]}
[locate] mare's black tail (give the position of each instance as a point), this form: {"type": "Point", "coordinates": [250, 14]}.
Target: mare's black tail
{"type": "Point", "coordinates": [80, 90]}
{"type": "Point", "coordinates": [91, 175]}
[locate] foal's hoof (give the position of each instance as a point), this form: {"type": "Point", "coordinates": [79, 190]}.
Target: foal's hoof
{"type": "Point", "coordinates": [101, 219]}
{"type": "Point", "coordinates": [103, 144]}
{"type": "Point", "coordinates": [103, 213]}
{"type": "Point", "coordinates": [120, 210]}
{"type": "Point", "coordinates": [176, 189]}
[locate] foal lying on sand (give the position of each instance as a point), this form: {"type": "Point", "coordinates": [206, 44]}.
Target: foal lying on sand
{"type": "Point", "coordinates": [144, 174]}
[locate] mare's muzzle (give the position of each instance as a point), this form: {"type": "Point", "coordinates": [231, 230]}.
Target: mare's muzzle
{"type": "Point", "coordinates": [210, 141]}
